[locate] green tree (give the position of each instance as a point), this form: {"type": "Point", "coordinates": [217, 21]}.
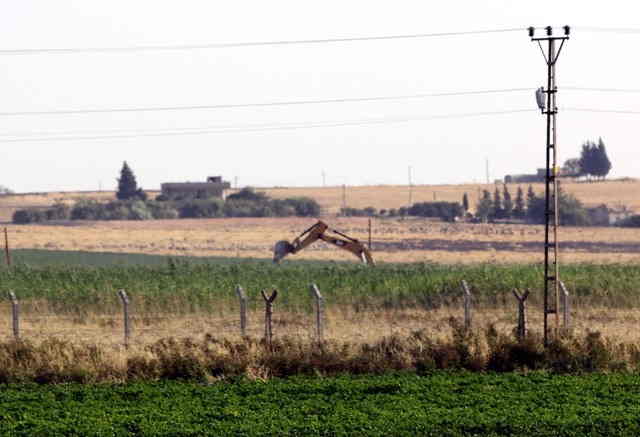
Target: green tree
{"type": "Point", "coordinates": [498, 210]}
{"type": "Point", "coordinates": [485, 206]}
{"type": "Point", "coordinates": [531, 197]}
{"type": "Point", "coordinates": [127, 185]}
{"type": "Point", "coordinates": [571, 168]}
{"type": "Point", "coordinates": [465, 202]}
{"type": "Point", "coordinates": [603, 164]}
{"type": "Point", "coordinates": [507, 203]}
{"type": "Point", "coordinates": [520, 207]}
{"type": "Point", "coordinates": [5, 190]}
{"type": "Point", "coordinates": [590, 159]}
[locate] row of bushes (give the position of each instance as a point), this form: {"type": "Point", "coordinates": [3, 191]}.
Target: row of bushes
{"type": "Point", "coordinates": [447, 211]}
{"type": "Point", "coordinates": [147, 210]}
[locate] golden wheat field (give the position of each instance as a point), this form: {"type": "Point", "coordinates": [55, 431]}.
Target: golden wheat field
{"type": "Point", "coordinates": [393, 240]}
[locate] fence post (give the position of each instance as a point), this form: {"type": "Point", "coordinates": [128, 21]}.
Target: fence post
{"type": "Point", "coordinates": [15, 314]}
{"type": "Point", "coordinates": [566, 308]}
{"type": "Point", "coordinates": [521, 330]}
{"type": "Point", "coordinates": [467, 304]}
{"type": "Point", "coordinates": [268, 332]}
{"type": "Point", "coordinates": [315, 292]}
{"type": "Point", "coordinates": [7, 253]}
{"type": "Point", "coordinates": [127, 327]}
{"type": "Point", "coordinates": [242, 296]}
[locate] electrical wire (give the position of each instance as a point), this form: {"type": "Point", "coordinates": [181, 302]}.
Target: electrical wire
{"type": "Point", "coordinates": [258, 128]}
{"type": "Point", "coordinates": [604, 90]}
{"type": "Point", "coordinates": [261, 104]}
{"type": "Point", "coordinates": [625, 30]}
{"type": "Point", "coordinates": [39, 51]}
{"type": "Point", "coordinates": [609, 111]}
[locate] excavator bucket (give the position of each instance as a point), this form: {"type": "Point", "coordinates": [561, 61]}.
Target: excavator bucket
{"type": "Point", "coordinates": [281, 249]}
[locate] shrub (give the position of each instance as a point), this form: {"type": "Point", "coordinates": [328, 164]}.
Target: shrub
{"type": "Point", "coordinates": [447, 211]}
{"type": "Point", "coordinates": [30, 215]}
{"type": "Point", "coordinates": [201, 208]}
{"type": "Point", "coordinates": [59, 211]}
{"type": "Point", "coordinates": [304, 206]}
{"type": "Point", "coordinates": [249, 194]}
{"type": "Point", "coordinates": [632, 222]}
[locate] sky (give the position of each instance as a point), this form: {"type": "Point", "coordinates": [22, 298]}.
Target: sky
{"type": "Point", "coordinates": [439, 150]}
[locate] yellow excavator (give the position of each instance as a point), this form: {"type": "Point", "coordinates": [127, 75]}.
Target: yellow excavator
{"type": "Point", "coordinates": [318, 232]}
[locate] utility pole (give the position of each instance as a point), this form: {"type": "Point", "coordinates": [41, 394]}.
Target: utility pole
{"type": "Point", "coordinates": [324, 179]}
{"type": "Point", "coordinates": [546, 100]}
{"type": "Point", "coordinates": [487, 169]}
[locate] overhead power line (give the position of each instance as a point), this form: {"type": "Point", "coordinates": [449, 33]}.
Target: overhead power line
{"type": "Point", "coordinates": [146, 48]}
{"type": "Point", "coordinates": [604, 90]}
{"type": "Point", "coordinates": [626, 30]}
{"type": "Point", "coordinates": [258, 128]}
{"type": "Point", "coordinates": [262, 104]}
{"type": "Point", "coordinates": [610, 111]}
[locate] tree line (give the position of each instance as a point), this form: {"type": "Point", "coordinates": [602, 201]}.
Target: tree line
{"type": "Point", "coordinates": [132, 203]}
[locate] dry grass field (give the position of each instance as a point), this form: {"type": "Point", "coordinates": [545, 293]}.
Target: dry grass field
{"type": "Point", "coordinates": [393, 240]}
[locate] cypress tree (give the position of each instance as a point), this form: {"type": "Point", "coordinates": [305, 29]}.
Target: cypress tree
{"type": "Point", "coordinates": [531, 198]}
{"type": "Point", "coordinates": [465, 202]}
{"type": "Point", "coordinates": [485, 206]}
{"type": "Point", "coordinates": [603, 162]}
{"type": "Point", "coordinates": [519, 209]}
{"type": "Point", "coordinates": [127, 185]}
{"type": "Point", "coordinates": [507, 203]}
{"type": "Point", "coordinates": [498, 211]}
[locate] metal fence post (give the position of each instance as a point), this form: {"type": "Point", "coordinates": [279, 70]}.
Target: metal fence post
{"type": "Point", "coordinates": [127, 326]}
{"type": "Point", "coordinates": [467, 304]}
{"type": "Point", "coordinates": [521, 330]}
{"type": "Point", "coordinates": [315, 292]}
{"type": "Point", "coordinates": [15, 314]}
{"type": "Point", "coordinates": [268, 331]}
{"type": "Point", "coordinates": [242, 296]}
{"type": "Point", "coordinates": [566, 308]}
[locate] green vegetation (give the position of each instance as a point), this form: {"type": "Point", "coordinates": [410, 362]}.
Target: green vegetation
{"type": "Point", "coordinates": [246, 203]}
{"type": "Point", "coordinates": [439, 404]}
{"type": "Point", "coordinates": [193, 283]}
{"type": "Point", "coordinates": [446, 211]}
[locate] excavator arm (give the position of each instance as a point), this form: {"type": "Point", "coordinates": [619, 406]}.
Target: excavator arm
{"type": "Point", "coordinates": [318, 232]}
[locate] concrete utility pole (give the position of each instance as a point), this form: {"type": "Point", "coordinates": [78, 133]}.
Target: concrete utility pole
{"type": "Point", "coordinates": [546, 100]}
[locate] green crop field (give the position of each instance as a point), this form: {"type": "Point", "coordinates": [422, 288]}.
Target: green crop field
{"type": "Point", "coordinates": [438, 404]}
{"type": "Point", "coordinates": [72, 281]}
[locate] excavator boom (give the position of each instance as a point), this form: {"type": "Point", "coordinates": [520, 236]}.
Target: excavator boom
{"type": "Point", "coordinates": [318, 232]}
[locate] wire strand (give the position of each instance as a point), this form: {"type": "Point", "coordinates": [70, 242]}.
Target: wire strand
{"type": "Point", "coordinates": [257, 128]}
{"type": "Point", "coordinates": [39, 51]}
{"type": "Point", "coordinates": [625, 30]}
{"type": "Point", "coordinates": [261, 104]}
{"type": "Point", "coordinates": [610, 111]}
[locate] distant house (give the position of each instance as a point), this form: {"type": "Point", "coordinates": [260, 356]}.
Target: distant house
{"type": "Point", "coordinates": [213, 187]}
{"type": "Point", "coordinates": [539, 176]}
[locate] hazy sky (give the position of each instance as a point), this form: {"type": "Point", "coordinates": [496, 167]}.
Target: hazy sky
{"type": "Point", "coordinates": [448, 150]}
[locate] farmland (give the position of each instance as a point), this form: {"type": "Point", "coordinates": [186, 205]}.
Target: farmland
{"type": "Point", "coordinates": [393, 240]}
{"type": "Point", "coordinates": [438, 404]}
